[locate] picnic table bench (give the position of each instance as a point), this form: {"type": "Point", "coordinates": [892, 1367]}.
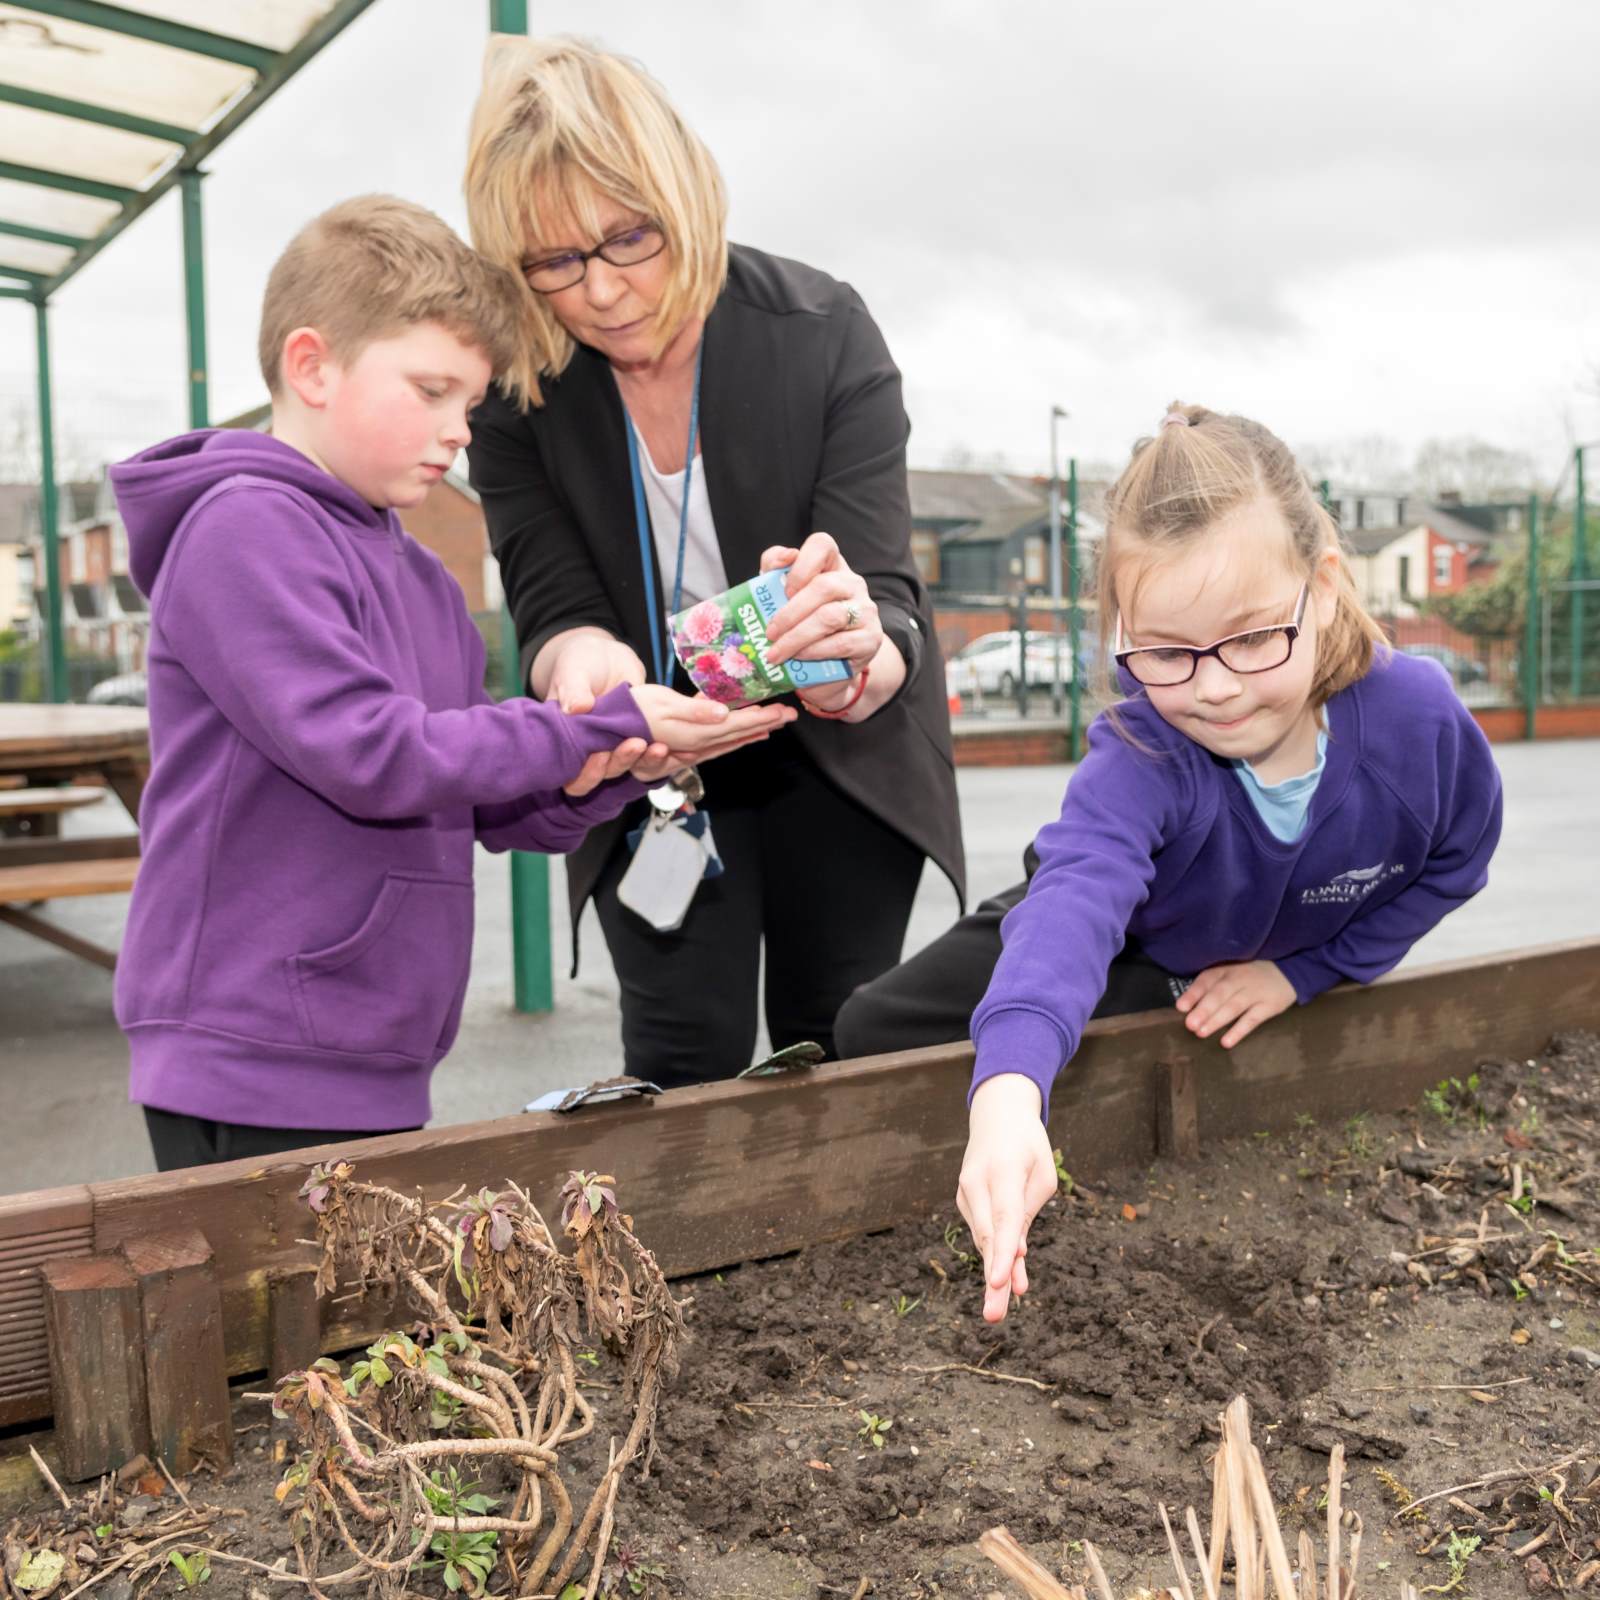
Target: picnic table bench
{"type": "Point", "coordinates": [21, 806]}
{"type": "Point", "coordinates": [46, 747]}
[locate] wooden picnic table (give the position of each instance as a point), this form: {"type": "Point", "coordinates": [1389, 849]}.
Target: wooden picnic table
{"type": "Point", "coordinates": [49, 747]}
{"type": "Point", "coordinates": [52, 744]}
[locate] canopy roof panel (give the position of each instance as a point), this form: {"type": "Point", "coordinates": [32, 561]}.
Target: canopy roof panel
{"type": "Point", "coordinates": [115, 71]}
{"type": "Point", "coordinates": [275, 24]}
{"type": "Point", "coordinates": [103, 106]}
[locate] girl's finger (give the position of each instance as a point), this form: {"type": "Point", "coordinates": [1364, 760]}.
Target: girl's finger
{"type": "Point", "coordinates": [995, 1302]}
{"type": "Point", "coordinates": [778, 555]}
{"type": "Point", "coordinates": [972, 1201]}
{"type": "Point", "coordinates": [1244, 1027]}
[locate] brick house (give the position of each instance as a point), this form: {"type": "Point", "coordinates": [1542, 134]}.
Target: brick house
{"type": "Point", "coordinates": [1419, 551]}
{"type": "Point", "coordinates": [981, 541]}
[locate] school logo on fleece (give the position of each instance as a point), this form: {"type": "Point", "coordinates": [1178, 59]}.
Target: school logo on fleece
{"type": "Point", "coordinates": [1344, 888]}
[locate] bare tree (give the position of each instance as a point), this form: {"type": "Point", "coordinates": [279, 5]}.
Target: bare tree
{"type": "Point", "coordinates": [19, 448]}
{"type": "Point", "coordinates": [1361, 461]}
{"type": "Point", "coordinates": [1472, 468]}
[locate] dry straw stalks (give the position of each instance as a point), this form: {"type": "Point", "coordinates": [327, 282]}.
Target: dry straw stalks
{"type": "Point", "coordinates": [1241, 1511]}
{"type": "Point", "coordinates": [482, 1394]}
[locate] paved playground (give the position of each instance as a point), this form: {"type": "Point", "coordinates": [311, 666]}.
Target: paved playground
{"type": "Point", "coordinates": [64, 1062]}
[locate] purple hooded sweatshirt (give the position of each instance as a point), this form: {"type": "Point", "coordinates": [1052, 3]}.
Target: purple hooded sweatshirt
{"type": "Point", "coordinates": [324, 756]}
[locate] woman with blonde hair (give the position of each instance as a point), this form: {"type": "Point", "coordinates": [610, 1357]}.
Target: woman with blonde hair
{"type": "Point", "coordinates": [682, 414]}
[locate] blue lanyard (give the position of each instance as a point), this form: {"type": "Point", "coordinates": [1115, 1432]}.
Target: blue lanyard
{"type": "Point", "coordinates": [641, 515]}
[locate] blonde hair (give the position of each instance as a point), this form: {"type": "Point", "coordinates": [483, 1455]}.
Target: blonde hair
{"type": "Point", "coordinates": [558, 124]}
{"type": "Point", "coordinates": [1197, 467]}
{"type": "Point", "coordinates": [371, 267]}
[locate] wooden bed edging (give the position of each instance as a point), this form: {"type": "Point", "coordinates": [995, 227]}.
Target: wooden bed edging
{"type": "Point", "coordinates": [735, 1171]}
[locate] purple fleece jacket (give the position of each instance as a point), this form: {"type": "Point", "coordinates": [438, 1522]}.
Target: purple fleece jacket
{"type": "Point", "coordinates": [324, 755]}
{"type": "Point", "coordinates": [1161, 845]}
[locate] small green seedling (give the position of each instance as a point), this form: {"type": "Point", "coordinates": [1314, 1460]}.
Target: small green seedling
{"type": "Point", "coordinates": [904, 1307]}
{"type": "Point", "coordinates": [467, 1558]}
{"type": "Point", "coordinates": [1359, 1136]}
{"type": "Point", "coordinates": [1063, 1177]}
{"type": "Point", "coordinates": [1450, 1097]}
{"type": "Point", "coordinates": [194, 1570]}
{"type": "Point", "coordinates": [590, 1358]}
{"type": "Point", "coordinates": [952, 1242]}
{"type": "Point", "coordinates": [105, 1530]}
{"type": "Point", "coordinates": [1458, 1553]}
{"type": "Point", "coordinates": [873, 1428]}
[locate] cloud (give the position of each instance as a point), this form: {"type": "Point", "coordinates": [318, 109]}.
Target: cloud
{"type": "Point", "coordinates": [1352, 219]}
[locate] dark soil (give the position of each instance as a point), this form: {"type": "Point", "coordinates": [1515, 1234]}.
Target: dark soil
{"type": "Point", "coordinates": [1369, 1284]}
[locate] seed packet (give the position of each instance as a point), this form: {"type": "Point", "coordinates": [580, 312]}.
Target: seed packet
{"type": "Point", "coordinates": [722, 643]}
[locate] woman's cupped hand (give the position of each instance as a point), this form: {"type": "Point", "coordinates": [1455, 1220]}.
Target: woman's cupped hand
{"type": "Point", "coordinates": [685, 730]}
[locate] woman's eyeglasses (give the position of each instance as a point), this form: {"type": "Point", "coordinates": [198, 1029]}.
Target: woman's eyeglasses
{"type": "Point", "coordinates": [1260, 650]}
{"type": "Point", "coordinates": [552, 274]}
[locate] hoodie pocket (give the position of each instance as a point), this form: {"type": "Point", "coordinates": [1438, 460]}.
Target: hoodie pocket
{"type": "Point", "coordinates": [395, 986]}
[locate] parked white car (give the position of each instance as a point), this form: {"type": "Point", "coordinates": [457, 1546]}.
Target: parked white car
{"type": "Point", "coordinates": [989, 664]}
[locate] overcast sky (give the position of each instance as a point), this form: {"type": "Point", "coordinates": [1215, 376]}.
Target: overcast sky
{"type": "Point", "coordinates": [1352, 219]}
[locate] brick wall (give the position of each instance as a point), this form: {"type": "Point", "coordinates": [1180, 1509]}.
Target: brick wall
{"type": "Point", "coordinates": [451, 525]}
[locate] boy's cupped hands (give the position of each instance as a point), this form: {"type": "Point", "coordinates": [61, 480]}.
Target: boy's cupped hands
{"type": "Point", "coordinates": [684, 731]}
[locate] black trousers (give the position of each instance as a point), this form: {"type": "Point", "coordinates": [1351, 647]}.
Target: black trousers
{"type": "Point", "coordinates": [812, 878]}
{"type": "Point", "coordinates": [180, 1140]}
{"type": "Point", "coordinates": [930, 998]}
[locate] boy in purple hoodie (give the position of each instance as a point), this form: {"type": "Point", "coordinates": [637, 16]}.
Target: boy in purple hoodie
{"type": "Point", "coordinates": [325, 755]}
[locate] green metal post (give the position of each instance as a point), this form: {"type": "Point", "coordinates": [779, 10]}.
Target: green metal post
{"type": "Point", "coordinates": [530, 874]}
{"type": "Point", "coordinates": [533, 987]}
{"type": "Point", "coordinates": [508, 16]}
{"type": "Point", "coordinates": [194, 297]}
{"type": "Point", "coordinates": [1530, 626]}
{"type": "Point", "coordinates": [1580, 573]}
{"type": "Point", "coordinates": [49, 514]}
{"type": "Point", "coordinates": [1075, 711]}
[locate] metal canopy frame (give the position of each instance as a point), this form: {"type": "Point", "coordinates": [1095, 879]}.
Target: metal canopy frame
{"type": "Point", "coordinates": [271, 69]}
{"type": "Point", "coordinates": [268, 71]}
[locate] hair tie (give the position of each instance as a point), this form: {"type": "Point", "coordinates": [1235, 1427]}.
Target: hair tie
{"type": "Point", "coordinates": [1174, 419]}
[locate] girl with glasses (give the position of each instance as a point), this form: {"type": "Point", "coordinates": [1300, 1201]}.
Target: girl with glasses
{"type": "Point", "coordinates": [1280, 804]}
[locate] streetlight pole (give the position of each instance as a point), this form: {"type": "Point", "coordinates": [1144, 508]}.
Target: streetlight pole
{"type": "Point", "coordinates": [1580, 572]}
{"type": "Point", "coordinates": [1056, 415]}
{"type": "Point", "coordinates": [1075, 723]}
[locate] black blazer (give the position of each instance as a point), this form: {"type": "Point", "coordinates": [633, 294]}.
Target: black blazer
{"type": "Point", "coordinates": [802, 427]}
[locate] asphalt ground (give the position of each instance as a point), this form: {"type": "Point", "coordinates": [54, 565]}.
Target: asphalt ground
{"type": "Point", "coordinates": [63, 1063]}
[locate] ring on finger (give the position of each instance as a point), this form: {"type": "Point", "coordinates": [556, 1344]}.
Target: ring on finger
{"type": "Point", "coordinates": [852, 614]}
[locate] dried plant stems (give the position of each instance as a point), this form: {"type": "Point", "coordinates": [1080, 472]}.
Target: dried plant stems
{"type": "Point", "coordinates": [501, 1310]}
{"type": "Point", "coordinates": [1015, 1562]}
{"type": "Point", "coordinates": [1243, 1516]}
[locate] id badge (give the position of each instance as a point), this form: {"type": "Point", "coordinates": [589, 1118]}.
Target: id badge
{"type": "Point", "coordinates": [661, 879]}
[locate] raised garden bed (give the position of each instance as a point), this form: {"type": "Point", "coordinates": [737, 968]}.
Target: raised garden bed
{"type": "Point", "coordinates": [1422, 1288]}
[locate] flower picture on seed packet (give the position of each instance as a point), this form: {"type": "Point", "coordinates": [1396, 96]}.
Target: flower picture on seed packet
{"type": "Point", "coordinates": [722, 643]}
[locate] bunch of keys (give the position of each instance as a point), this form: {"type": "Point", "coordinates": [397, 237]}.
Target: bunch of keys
{"type": "Point", "coordinates": [673, 854]}
{"type": "Point", "coordinates": [683, 788]}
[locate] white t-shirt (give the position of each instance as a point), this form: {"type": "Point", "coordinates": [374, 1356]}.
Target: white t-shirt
{"type": "Point", "coordinates": [703, 572]}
